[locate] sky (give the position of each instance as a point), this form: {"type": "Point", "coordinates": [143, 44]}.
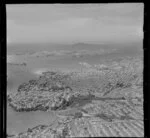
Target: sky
{"type": "Point", "coordinates": [74, 23]}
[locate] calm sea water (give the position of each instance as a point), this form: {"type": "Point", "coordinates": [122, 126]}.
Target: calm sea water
{"type": "Point", "coordinates": [18, 122]}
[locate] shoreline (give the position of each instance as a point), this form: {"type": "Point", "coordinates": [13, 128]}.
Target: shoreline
{"type": "Point", "coordinates": [54, 89]}
{"type": "Point", "coordinates": [58, 91]}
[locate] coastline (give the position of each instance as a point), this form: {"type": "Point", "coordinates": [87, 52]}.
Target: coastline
{"type": "Point", "coordinates": [88, 93]}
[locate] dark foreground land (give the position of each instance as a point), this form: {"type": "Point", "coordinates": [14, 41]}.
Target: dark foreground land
{"type": "Point", "coordinates": [98, 101]}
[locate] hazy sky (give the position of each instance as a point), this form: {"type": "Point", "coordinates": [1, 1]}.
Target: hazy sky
{"type": "Point", "coordinates": [73, 23]}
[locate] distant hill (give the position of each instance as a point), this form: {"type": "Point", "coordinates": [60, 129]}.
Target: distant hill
{"type": "Point", "coordinates": [81, 46]}
{"type": "Point", "coordinates": [31, 48]}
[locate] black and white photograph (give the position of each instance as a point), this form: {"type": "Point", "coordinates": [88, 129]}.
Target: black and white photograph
{"type": "Point", "coordinates": [75, 70]}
